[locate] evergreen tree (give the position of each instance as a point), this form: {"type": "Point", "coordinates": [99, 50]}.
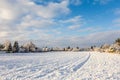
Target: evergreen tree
{"type": "Point", "coordinates": [92, 47]}
{"type": "Point", "coordinates": [77, 47]}
{"type": "Point", "coordinates": [117, 41]}
{"type": "Point", "coordinates": [63, 49]}
{"type": "Point", "coordinates": [68, 47]}
{"type": "Point", "coordinates": [51, 49]}
{"type": "Point", "coordinates": [9, 48]}
{"type": "Point", "coordinates": [16, 47]}
{"type": "Point", "coordinates": [1, 46]}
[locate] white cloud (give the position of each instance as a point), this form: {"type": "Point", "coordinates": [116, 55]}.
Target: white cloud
{"type": "Point", "coordinates": [101, 1]}
{"type": "Point", "coordinates": [53, 9]}
{"type": "Point", "coordinates": [5, 10]}
{"type": "Point", "coordinates": [16, 9]}
{"type": "Point", "coordinates": [117, 11]}
{"type": "Point", "coordinates": [97, 39]}
{"type": "Point", "coordinates": [6, 14]}
{"type": "Point", "coordinates": [74, 27]}
{"type": "Point", "coordinates": [18, 16]}
{"type": "Point", "coordinates": [72, 2]}
{"type": "Point", "coordinates": [75, 20]}
{"type": "Point", "coordinates": [90, 29]}
{"type": "Point", "coordinates": [43, 23]}
{"type": "Point", "coordinates": [117, 22]}
{"type": "Point", "coordinates": [76, 2]}
{"type": "Point", "coordinates": [24, 20]}
{"type": "Point", "coordinates": [3, 34]}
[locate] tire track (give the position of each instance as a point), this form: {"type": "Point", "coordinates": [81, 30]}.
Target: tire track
{"type": "Point", "coordinates": [43, 71]}
{"type": "Point", "coordinates": [23, 69]}
{"type": "Point", "coordinates": [48, 70]}
{"type": "Point", "coordinates": [16, 73]}
{"type": "Point", "coordinates": [77, 68]}
{"type": "Point", "coordinates": [66, 68]}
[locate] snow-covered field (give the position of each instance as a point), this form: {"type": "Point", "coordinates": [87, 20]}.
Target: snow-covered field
{"type": "Point", "coordinates": [60, 66]}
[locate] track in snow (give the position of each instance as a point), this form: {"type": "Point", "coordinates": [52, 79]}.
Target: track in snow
{"type": "Point", "coordinates": [46, 66]}
{"type": "Point", "coordinates": [60, 66]}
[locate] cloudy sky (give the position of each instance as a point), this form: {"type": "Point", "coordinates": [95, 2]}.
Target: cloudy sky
{"type": "Point", "coordinates": [60, 22]}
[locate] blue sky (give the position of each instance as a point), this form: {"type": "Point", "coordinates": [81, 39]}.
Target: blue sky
{"type": "Point", "coordinates": [60, 22]}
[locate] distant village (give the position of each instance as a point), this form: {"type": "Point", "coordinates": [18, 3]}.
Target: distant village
{"type": "Point", "coordinates": [29, 47]}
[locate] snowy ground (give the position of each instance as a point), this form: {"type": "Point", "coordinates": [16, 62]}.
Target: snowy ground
{"type": "Point", "coordinates": [60, 66]}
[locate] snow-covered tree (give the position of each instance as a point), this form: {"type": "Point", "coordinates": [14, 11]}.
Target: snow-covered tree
{"type": "Point", "coordinates": [30, 47]}
{"type": "Point", "coordinates": [7, 46]}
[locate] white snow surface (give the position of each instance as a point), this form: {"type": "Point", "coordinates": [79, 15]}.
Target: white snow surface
{"type": "Point", "coordinates": [60, 66]}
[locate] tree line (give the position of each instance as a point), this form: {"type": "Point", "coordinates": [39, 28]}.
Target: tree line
{"type": "Point", "coordinates": [30, 47]}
